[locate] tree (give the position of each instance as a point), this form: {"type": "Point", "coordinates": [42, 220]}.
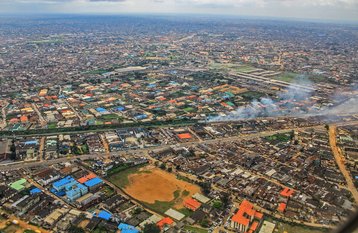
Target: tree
{"type": "Point", "coordinates": [75, 229]}
{"type": "Point", "coordinates": [170, 169]}
{"type": "Point", "coordinates": [151, 228]}
{"type": "Point", "coordinates": [162, 166]}
{"type": "Point", "coordinates": [206, 187]}
{"type": "Point", "coordinates": [217, 204]}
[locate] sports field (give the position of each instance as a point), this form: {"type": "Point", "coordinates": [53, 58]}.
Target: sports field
{"type": "Point", "coordinates": [156, 188]}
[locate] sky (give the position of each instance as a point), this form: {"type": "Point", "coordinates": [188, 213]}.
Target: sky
{"type": "Point", "coordinates": [342, 10]}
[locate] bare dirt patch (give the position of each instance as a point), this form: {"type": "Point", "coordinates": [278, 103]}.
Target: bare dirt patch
{"type": "Point", "coordinates": [153, 185]}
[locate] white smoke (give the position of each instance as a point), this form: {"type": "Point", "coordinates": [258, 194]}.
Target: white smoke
{"type": "Point", "coordinates": [287, 103]}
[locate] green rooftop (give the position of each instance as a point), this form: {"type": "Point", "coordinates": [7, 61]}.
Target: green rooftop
{"type": "Point", "coordinates": [18, 185]}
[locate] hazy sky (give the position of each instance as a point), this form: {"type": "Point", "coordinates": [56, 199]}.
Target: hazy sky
{"type": "Point", "coordinates": [313, 9]}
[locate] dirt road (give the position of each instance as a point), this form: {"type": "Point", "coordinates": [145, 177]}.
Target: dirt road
{"type": "Point", "coordinates": [339, 157]}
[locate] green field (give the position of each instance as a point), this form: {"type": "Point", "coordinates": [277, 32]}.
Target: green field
{"type": "Point", "coordinates": [119, 175]}
{"type": "Point", "coordinates": [252, 95]}
{"type": "Point", "coordinates": [282, 227]}
{"type": "Point", "coordinates": [52, 125]}
{"type": "Point", "coordinates": [47, 41]}
{"type": "Point", "coordinates": [281, 137]}
{"type": "Point", "coordinates": [287, 77]}
{"type": "Point", "coordinates": [195, 229]}
{"type": "Point", "coordinates": [232, 67]}
{"type": "Point", "coordinates": [162, 206]}
{"type": "Point", "coordinates": [291, 77]}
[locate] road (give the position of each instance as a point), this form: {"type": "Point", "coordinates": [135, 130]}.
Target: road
{"type": "Point", "coordinates": [22, 164]}
{"type": "Point", "coordinates": [339, 157]}
{"type": "Point", "coordinates": [41, 148]}
{"type": "Point", "coordinates": [17, 165]}
{"type": "Point", "coordinates": [73, 109]}
{"type": "Point", "coordinates": [42, 120]}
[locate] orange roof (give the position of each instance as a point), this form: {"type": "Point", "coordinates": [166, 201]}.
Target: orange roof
{"type": "Point", "coordinates": [24, 118]}
{"type": "Point", "coordinates": [13, 120]}
{"type": "Point", "coordinates": [258, 215]}
{"type": "Point", "coordinates": [192, 204]}
{"type": "Point", "coordinates": [254, 226]}
{"type": "Point", "coordinates": [162, 98]}
{"type": "Point", "coordinates": [165, 221]}
{"type": "Point", "coordinates": [281, 207]}
{"type": "Point", "coordinates": [286, 192]}
{"type": "Point", "coordinates": [184, 136]}
{"type": "Point", "coordinates": [245, 208]}
{"type": "Point", "coordinates": [86, 178]}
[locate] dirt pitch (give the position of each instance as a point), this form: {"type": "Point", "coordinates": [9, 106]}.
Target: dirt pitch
{"type": "Point", "coordinates": [153, 184]}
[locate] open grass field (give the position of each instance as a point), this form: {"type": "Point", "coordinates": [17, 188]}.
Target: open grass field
{"type": "Point", "coordinates": [195, 229]}
{"type": "Point", "coordinates": [282, 227]}
{"type": "Point", "coordinates": [155, 188]}
{"type": "Point", "coordinates": [233, 67]}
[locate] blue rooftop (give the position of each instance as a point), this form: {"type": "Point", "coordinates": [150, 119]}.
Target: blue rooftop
{"type": "Point", "coordinates": [101, 110]}
{"type": "Point", "coordinates": [35, 190]}
{"type": "Point", "coordinates": [63, 181]}
{"type": "Point", "coordinates": [125, 228]}
{"type": "Point", "coordinates": [141, 116]}
{"type": "Point", "coordinates": [104, 215]}
{"type": "Point", "coordinates": [120, 108]}
{"type": "Point", "coordinates": [34, 142]}
{"type": "Point", "coordinates": [59, 194]}
{"type": "Point", "coordinates": [93, 182]}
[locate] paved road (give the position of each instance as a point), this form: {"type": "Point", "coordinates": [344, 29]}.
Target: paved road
{"type": "Point", "coordinates": [339, 157]}
{"type": "Point", "coordinates": [17, 165]}
{"type": "Point", "coordinates": [42, 120]}
{"type": "Point", "coordinates": [73, 109]}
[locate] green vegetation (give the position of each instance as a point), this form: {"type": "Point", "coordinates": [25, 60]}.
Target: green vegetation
{"type": "Point", "coordinates": [282, 227]}
{"type": "Point", "coordinates": [75, 229]}
{"type": "Point", "coordinates": [162, 206]}
{"type": "Point", "coordinates": [52, 125]}
{"type": "Point", "coordinates": [47, 41]}
{"type": "Point", "coordinates": [217, 204]}
{"type": "Point", "coordinates": [151, 228]}
{"type": "Point", "coordinates": [287, 77]}
{"type": "Point", "coordinates": [180, 177]}
{"type": "Point", "coordinates": [291, 77]}
{"type": "Point", "coordinates": [281, 137]}
{"type": "Point", "coordinates": [252, 95]}
{"type": "Point", "coordinates": [29, 231]}
{"type": "Point", "coordinates": [119, 175]}
{"type": "Point", "coordinates": [185, 193]}
{"type": "Point", "coordinates": [195, 229]}
{"type": "Point", "coordinates": [10, 229]}
{"type": "Point", "coordinates": [99, 127]}
{"type": "Point", "coordinates": [185, 211]}
{"type": "Point", "coordinates": [110, 117]}
{"type": "Point", "coordinates": [108, 191]}
{"type": "Point", "coordinates": [233, 67]}
{"type": "Point", "coordinates": [100, 229]}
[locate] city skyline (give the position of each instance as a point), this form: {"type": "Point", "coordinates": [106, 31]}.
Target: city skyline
{"type": "Point", "coordinates": [337, 10]}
